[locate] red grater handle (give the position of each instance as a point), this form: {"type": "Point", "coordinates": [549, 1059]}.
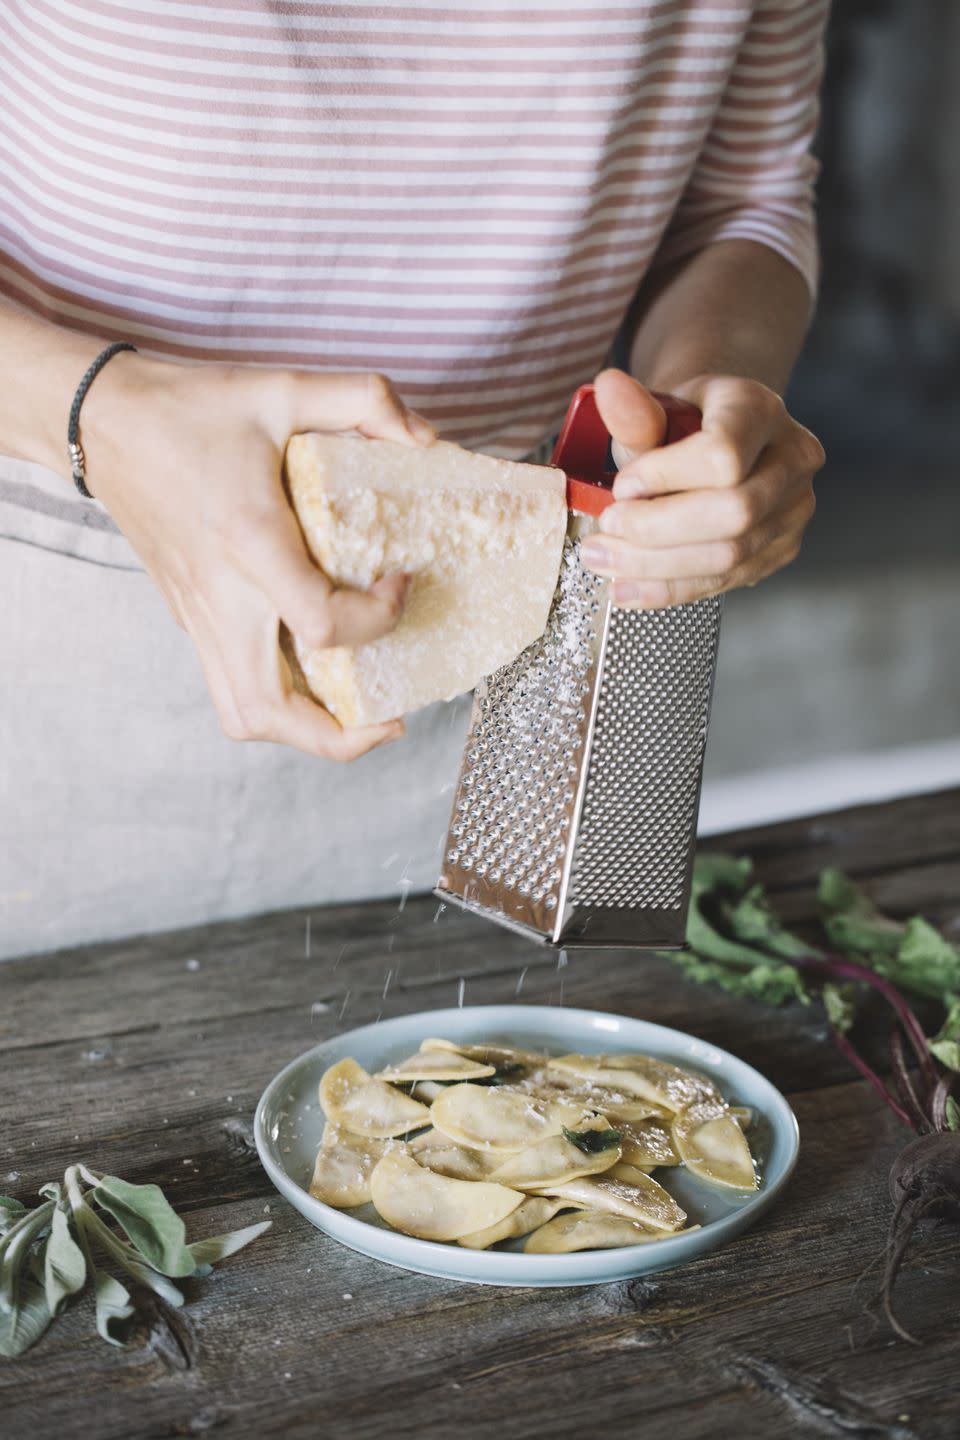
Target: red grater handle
{"type": "Point", "coordinates": [584, 443]}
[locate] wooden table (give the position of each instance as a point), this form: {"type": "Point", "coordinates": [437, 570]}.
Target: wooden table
{"type": "Point", "coordinates": [147, 1057]}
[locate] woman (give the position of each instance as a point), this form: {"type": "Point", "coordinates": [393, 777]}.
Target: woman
{"type": "Point", "coordinates": [281, 205]}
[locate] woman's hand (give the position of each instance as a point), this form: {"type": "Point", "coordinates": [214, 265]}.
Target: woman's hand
{"type": "Point", "coordinates": [723, 508]}
{"type": "Point", "coordinates": [188, 461]}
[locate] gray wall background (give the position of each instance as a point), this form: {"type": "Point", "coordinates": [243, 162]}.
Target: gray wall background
{"type": "Point", "coordinates": [854, 650]}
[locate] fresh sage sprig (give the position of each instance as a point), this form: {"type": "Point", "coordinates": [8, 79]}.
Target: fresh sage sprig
{"type": "Point", "coordinates": [52, 1253]}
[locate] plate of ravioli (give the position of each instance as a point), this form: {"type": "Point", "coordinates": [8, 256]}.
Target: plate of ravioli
{"type": "Point", "coordinates": [525, 1145]}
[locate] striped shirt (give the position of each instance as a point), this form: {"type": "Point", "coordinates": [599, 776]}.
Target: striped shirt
{"type": "Point", "coordinates": [462, 196]}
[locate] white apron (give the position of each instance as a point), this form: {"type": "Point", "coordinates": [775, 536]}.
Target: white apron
{"type": "Point", "coordinates": [123, 808]}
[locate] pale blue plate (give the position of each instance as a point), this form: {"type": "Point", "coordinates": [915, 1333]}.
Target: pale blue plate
{"type": "Point", "coordinates": [289, 1123]}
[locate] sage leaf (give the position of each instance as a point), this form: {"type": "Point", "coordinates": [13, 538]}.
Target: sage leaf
{"type": "Point", "coordinates": [99, 1233]}
{"type": "Point", "coordinates": [10, 1212]}
{"type": "Point", "coordinates": [115, 1313]}
{"type": "Point", "coordinates": [53, 1190]}
{"type": "Point", "coordinates": [145, 1214]}
{"type": "Point", "coordinates": [953, 1114]}
{"type": "Point", "coordinates": [591, 1142]}
{"type": "Point", "coordinates": [218, 1247]}
{"type": "Point", "coordinates": [15, 1249]}
{"type": "Point", "coordinates": [64, 1265]}
{"type": "Point", "coordinates": [26, 1322]}
{"type": "Point", "coordinates": [151, 1280]}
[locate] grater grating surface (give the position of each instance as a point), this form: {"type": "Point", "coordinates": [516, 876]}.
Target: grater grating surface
{"type": "Point", "coordinates": [522, 765]}
{"type": "Point", "coordinates": [639, 810]}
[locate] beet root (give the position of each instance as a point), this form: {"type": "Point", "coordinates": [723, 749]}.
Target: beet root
{"type": "Point", "coordinates": [924, 1185]}
{"type": "Point", "coordinates": [930, 1166]}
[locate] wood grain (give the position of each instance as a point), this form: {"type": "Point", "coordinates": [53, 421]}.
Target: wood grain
{"type": "Point", "coordinates": [150, 1053]}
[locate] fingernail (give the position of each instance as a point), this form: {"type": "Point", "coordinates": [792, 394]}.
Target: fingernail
{"type": "Point", "coordinates": [610, 521]}
{"type": "Point", "coordinates": [595, 555]}
{"type": "Point", "coordinates": [420, 429]}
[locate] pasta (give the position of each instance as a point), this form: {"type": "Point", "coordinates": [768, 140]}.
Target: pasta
{"type": "Point", "coordinates": [484, 1143]}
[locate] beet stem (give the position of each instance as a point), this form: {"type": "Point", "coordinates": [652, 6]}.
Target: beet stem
{"type": "Point", "coordinates": [836, 967]}
{"type": "Point", "coordinates": [903, 1082]}
{"type": "Point", "coordinates": [856, 1059]}
{"type": "Point", "coordinates": [938, 1102]}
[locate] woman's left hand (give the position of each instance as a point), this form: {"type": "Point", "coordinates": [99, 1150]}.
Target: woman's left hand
{"type": "Point", "coordinates": [723, 508]}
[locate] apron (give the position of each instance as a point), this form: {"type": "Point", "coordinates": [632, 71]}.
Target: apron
{"type": "Point", "coordinates": [123, 807]}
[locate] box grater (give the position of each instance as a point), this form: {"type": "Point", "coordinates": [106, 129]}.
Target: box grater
{"type": "Point", "coordinates": [575, 809]}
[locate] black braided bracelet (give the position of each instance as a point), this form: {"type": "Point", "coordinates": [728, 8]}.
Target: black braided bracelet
{"type": "Point", "coordinates": [78, 464]}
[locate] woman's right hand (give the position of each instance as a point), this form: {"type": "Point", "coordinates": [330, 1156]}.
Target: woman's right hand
{"type": "Point", "coordinates": [188, 460]}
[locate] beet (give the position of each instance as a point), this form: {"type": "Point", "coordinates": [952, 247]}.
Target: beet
{"type": "Point", "coordinates": [736, 940]}
{"type": "Point", "coordinates": [925, 1177]}
{"type": "Point", "coordinates": [924, 1185]}
{"type": "Point", "coordinates": [929, 1169]}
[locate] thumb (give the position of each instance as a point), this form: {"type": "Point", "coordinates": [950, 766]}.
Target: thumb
{"type": "Point", "coordinates": [366, 402]}
{"type": "Point", "coordinates": [636, 421]}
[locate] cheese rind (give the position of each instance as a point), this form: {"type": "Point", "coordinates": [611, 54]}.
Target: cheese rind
{"type": "Point", "coordinates": [481, 538]}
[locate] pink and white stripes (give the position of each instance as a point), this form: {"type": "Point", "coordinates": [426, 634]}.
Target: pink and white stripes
{"type": "Point", "coordinates": [463, 197]}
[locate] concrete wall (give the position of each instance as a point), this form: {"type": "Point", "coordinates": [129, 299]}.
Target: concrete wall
{"type": "Point", "coordinates": [854, 651]}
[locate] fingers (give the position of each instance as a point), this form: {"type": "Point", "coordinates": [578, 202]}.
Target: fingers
{"type": "Point", "coordinates": [302, 723]}
{"type": "Point", "coordinates": [272, 553]}
{"type": "Point", "coordinates": [659, 594]}
{"type": "Point", "coordinates": [697, 517]}
{"type": "Point", "coordinates": [252, 688]}
{"type": "Point", "coordinates": [625, 560]}
{"type": "Point", "coordinates": [635, 420]}
{"type": "Point", "coordinates": [734, 432]}
{"type": "Point", "coordinates": [359, 616]}
{"type": "Point", "coordinates": [366, 402]}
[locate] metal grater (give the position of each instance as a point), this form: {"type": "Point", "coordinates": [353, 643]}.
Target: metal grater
{"type": "Point", "coordinates": [575, 810]}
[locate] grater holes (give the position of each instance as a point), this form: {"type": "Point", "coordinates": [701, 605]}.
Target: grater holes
{"type": "Point", "coordinates": [522, 757]}
{"type": "Point", "coordinates": [640, 804]}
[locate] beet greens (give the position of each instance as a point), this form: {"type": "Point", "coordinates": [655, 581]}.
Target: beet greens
{"type": "Point", "coordinates": [737, 941]}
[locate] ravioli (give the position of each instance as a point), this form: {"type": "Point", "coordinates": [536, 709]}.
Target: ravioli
{"type": "Point", "coordinates": [642, 1075]}
{"type": "Point", "coordinates": [712, 1145]}
{"type": "Point", "coordinates": [647, 1142]}
{"type": "Point", "coordinates": [558, 1158]}
{"type": "Point", "coordinates": [439, 1153]}
{"type": "Point", "coordinates": [418, 1202]}
{"type": "Point", "coordinates": [435, 1065]}
{"type": "Point", "coordinates": [499, 1117]}
{"type": "Point", "coordinates": [345, 1162]}
{"type": "Point", "coordinates": [643, 1200]}
{"type": "Point", "coordinates": [352, 1098]}
{"type": "Point", "coordinates": [533, 1212]}
{"type": "Point", "coordinates": [588, 1230]}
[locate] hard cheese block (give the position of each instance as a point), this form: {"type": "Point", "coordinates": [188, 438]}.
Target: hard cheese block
{"type": "Point", "coordinates": [482, 539]}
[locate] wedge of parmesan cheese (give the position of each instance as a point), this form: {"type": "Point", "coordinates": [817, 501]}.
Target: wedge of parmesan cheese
{"type": "Point", "coordinates": [482, 539]}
